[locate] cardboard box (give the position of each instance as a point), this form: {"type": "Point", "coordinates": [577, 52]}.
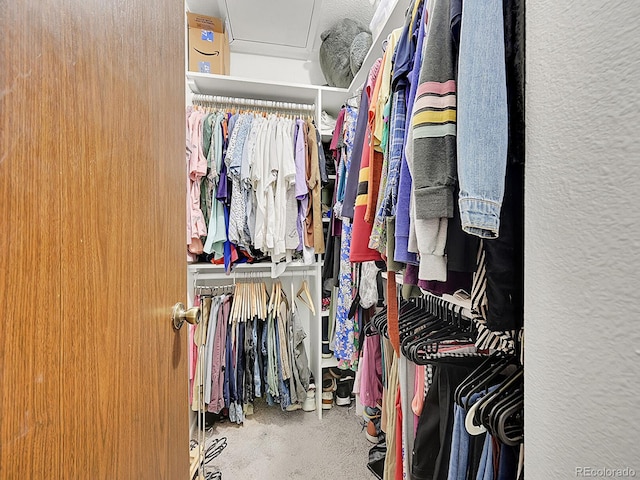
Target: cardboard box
{"type": "Point", "coordinates": [208, 44]}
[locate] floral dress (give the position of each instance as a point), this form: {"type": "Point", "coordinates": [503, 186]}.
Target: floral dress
{"type": "Point", "coordinates": [346, 339]}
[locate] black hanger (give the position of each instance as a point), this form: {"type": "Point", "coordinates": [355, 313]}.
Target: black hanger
{"type": "Point", "coordinates": [483, 414]}
{"type": "Point", "coordinates": [444, 325]}
{"type": "Point", "coordinates": [501, 419]}
{"type": "Point", "coordinates": [510, 428]}
{"type": "Point", "coordinates": [511, 388]}
{"type": "Point", "coordinates": [413, 321]}
{"type": "Point", "coordinates": [422, 322]}
{"type": "Point", "coordinates": [487, 372]}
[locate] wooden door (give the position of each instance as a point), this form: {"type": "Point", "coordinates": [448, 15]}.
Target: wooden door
{"type": "Point", "coordinates": [92, 244]}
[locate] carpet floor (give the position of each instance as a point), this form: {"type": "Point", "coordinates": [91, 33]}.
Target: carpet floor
{"type": "Point", "coordinates": [273, 444]}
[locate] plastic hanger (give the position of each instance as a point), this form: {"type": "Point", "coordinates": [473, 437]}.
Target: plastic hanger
{"type": "Point", "coordinates": [476, 412]}
{"type": "Point", "coordinates": [496, 414]}
{"type": "Point", "coordinates": [481, 377]}
{"type": "Point", "coordinates": [510, 392]}
{"type": "Point", "coordinates": [511, 433]}
{"type": "Point", "coordinates": [375, 323]}
{"type": "Point", "coordinates": [411, 317]}
{"type": "Point", "coordinates": [443, 324]}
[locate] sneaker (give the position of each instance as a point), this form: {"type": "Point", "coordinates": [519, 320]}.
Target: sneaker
{"type": "Point", "coordinates": [328, 387]}
{"type": "Point", "coordinates": [343, 393]}
{"type": "Point", "coordinates": [327, 400]}
{"type": "Point", "coordinates": [371, 432]}
{"type": "Point", "coordinates": [309, 403]}
{"type": "Point", "coordinates": [347, 375]}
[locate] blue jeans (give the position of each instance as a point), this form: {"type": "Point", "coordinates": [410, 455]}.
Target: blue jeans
{"type": "Point", "coordinates": [482, 135]}
{"type": "Point", "coordinates": [485, 472]}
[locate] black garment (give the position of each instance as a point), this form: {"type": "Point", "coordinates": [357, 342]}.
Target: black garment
{"type": "Point", "coordinates": [329, 160]}
{"type": "Point", "coordinates": [514, 35]}
{"type": "Point", "coordinates": [508, 462]}
{"type": "Point", "coordinates": [456, 20]}
{"type": "Point", "coordinates": [432, 447]}
{"type": "Point", "coordinates": [476, 445]}
{"type": "Point", "coordinates": [462, 248]}
{"type": "Point", "coordinates": [331, 266]}
{"type": "Point", "coordinates": [262, 364]}
{"type": "Point", "coordinates": [505, 258]}
{"type": "Point", "coordinates": [240, 391]}
{"type": "Point", "coordinates": [249, 350]}
{"type": "Point", "coordinates": [505, 254]}
{"type": "Point", "coordinates": [322, 161]}
{"type": "Point", "coordinates": [377, 454]}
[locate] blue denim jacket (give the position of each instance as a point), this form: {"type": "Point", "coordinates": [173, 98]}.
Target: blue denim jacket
{"type": "Point", "coordinates": [482, 135]}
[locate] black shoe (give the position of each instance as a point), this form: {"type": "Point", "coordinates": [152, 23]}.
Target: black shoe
{"type": "Point", "coordinates": [326, 351]}
{"type": "Point", "coordinates": [343, 393]}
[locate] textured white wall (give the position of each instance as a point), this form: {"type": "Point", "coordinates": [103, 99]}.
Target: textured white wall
{"type": "Point", "coordinates": [582, 252]}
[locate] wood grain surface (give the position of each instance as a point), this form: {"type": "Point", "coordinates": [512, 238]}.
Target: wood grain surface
{"type": "Point", "coordinates": [92, 376]}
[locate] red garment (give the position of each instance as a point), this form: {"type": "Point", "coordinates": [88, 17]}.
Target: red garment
{"type": "Point", "coordinates": [360, 251]}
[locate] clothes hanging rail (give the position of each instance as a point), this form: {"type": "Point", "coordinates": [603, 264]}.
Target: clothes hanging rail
{"type": "Point", "coordinates": [223, 276]}
{"type": "Point", "coordinates": [205, 100]}
{"type": "Point", "coordinates": [214, 289]}
{"type": "Point", "coordinates": [259, 270]}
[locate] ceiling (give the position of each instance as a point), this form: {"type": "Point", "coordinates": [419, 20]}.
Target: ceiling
{"type": "Point", "coordinates": [282, 28]}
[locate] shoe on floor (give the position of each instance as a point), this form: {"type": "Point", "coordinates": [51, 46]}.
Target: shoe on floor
{"type": "Point", "coordinates": [343, 393]}
{"type": "Point", "coordinates": [371, 432]}
{"type": "Point", "coordinates": [327, 400]}
{"type": "Point", "coordinates": [309, 403]}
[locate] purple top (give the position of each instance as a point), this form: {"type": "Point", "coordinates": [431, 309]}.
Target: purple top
{"type": "Point", "coordinates": [353, 179]}
{"type": "Point", "coordinates": [402, 253]}
{"type": "Point", "coordinates": [455, 281]}
{"type": "Point", "coordinates": [301, 188]}
{"type": "Point", "coordinates": [301, 171]}
{"type": "Point", "coordinates": [351, 189]}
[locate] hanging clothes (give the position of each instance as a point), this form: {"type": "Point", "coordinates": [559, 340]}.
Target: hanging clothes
{"type": "Point", "coordinates": [247, 345]}
{"type": "Point", "coordinates": [248, 187]}
{"type": "Point", "coordinates": [345, 348]}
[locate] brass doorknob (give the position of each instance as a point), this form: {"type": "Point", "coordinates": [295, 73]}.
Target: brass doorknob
{"type": "Point", "coordinates": [179, 315]}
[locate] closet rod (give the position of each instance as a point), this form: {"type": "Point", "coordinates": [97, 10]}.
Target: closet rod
{"type": "Point", "coordinates": [199, 99]}
{"type": "Point", "coordinates": [223, 276]}
{"type": "Point", "coordinates": [214, 287]}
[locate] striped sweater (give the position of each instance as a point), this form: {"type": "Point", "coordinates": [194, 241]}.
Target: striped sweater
{"type": "Point", "coordinates": [434, 119]}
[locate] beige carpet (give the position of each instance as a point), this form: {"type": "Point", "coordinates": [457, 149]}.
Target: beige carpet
{"type": "Point", "coordinates": [273, 444]}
